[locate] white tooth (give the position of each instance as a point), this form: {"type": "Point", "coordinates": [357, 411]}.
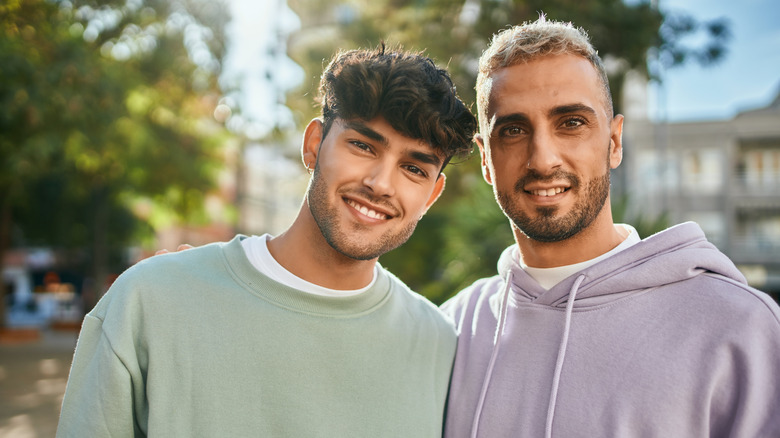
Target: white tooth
{"type": "Point", "coordinates": [366, 211]}
{"type": "Point", "coordinates": [548, 192]}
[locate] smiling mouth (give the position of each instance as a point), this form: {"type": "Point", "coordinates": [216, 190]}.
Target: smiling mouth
{"type": "Point", "coordinates": [548, 192]}
{"type": "Point", "coordinates": [373, 214]}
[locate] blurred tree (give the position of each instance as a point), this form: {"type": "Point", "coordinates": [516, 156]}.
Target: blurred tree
{"type": "Point", "coordinates": [455, 32]}
{"type": "Point", "coordinates": [104, 101]}
{"type": "Point", "coordinates": [460, 239]}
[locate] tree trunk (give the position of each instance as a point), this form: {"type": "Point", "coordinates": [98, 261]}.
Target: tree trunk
{"type": "Point", "coordinates": [5, 243]}
{"type": "Point", "coordinates": [100, 248]}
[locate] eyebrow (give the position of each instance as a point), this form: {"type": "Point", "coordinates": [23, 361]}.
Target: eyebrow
{"type": "Point", "coordinates": [362, 129]}
{"type": "Point", "coordinates": [509, 118]}
{"type": "Point", "coordinates": [557, 111]}
{"type": "Point", "coordinates": [365, 130]}
{"type": "Point", "coordinates": [573, 108]}
{"type": "Point", "coordinates": [426, 158]}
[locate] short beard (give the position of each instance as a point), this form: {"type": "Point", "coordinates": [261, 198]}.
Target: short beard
{"type": "Point", "coordinates": [344, 241]}
{"type": "Point", "coordinates": [545, 227]}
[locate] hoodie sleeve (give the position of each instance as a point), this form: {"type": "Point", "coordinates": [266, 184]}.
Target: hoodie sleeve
{"type": "Point", "coordinates": [749, 394]}
{"type": "Point", "coordinates": [99, 396]}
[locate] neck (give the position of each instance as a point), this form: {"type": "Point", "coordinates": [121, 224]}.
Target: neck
{"type": "Point", "coordinates": [597, 239]}
{"type": "Point", "coordinates": [303, 251]}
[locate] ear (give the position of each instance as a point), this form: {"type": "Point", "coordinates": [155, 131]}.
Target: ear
{"type": "Point", "coordinates": [483, 156]}
{"type": "Point", "coordinates": [616, 142]}
{"type": "Point", "coordinates": [312, 138]}
{"type": "Point", "coordinates": [438, 188]}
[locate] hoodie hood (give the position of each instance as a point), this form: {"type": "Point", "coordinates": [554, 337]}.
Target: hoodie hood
{"type": "Point", "coordinates": [676, 254]}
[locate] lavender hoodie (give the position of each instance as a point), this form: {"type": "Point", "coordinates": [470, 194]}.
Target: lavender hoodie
{"type": "Point", "coordinates": [663, 339]}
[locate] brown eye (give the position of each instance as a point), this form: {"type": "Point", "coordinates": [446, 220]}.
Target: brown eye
{"type": "Point", "coordinates": [415, 170]}
{"type": "Point", "coordinates": [361, 145]}
{"type": "Point", "coordinates": [573, 123]}
{"type": "Point", "coordinates": [511, 131]}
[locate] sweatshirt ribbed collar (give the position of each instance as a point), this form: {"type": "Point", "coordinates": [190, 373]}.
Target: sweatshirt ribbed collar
{"type": "Point", "coordinates": [299, 301]}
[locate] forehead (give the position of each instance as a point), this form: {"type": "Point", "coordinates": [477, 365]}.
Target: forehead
{"type": "Point", "coordinates": [545, 83]}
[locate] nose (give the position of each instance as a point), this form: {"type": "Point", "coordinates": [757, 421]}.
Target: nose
{"type": "Point", "coordinates": [543, 153]}
{"type": "Point", "coordinates": [380, 179]}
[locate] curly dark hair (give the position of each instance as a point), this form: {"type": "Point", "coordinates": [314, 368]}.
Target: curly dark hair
{"type": "Point", "coordinates": [407, 89]}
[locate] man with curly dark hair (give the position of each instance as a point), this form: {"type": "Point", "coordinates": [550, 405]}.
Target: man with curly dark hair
{"type": "Point", "coordinates": [301, 334]}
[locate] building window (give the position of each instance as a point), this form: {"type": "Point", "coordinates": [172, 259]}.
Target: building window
{"type": "Point", "coordinates": [702, 171]}
{"type": "Point", "coordinates": [758, 232]}
{"type": "Point", "coordinates": [762, 169]}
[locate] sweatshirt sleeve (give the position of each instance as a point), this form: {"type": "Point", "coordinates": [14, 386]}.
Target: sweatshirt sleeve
{"type": "Point", "coordinates": [99, 395]}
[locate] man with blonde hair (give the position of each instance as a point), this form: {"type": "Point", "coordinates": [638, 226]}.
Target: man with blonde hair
{"type": "Point", "coordinates": [588, 331]}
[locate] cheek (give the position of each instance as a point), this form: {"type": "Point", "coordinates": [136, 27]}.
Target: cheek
{"type": "Point", "coordinates": [340, 167]}
{"type": "Point", "coordinates": [503, 170]}
{"type": "Point", "coordinates": [414, 200]}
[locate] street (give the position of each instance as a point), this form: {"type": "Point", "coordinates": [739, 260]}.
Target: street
{"type": "Point", "coordinates": [33, 375]}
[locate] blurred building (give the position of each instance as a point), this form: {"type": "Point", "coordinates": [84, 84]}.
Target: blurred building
{"type": "Point", "coordinates": [723, 174]}
{"type": "Point", "coordinates": [272, 188]}
{"type": "Point", "coordinates": [259, 191]}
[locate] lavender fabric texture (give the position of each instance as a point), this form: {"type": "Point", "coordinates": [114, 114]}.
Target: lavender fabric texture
{"type": "Point", "coordinates": [663, 339]}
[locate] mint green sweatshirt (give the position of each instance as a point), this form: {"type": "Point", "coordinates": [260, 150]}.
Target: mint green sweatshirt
{"type": "Point", "coordinates": [200, 344]}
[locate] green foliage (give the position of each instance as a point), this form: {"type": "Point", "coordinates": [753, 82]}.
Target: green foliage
{"type": "Point", "coordinates": [105, 102]}
{"type": "Point", "coordinates": [462, 236]}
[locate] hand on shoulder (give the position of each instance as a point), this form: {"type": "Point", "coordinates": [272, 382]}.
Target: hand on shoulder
{"type": "Point", "coordinates": [182, 247]}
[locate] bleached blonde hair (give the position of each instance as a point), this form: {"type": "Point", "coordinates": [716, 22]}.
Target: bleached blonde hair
{"type": "Point", "coordinates": [533, 40]}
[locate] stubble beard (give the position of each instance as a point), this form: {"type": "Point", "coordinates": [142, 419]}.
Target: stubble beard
{"type": "Point", "coordinates": [544, 226]}
{"type": "Point", "coordinates": [347, 239]}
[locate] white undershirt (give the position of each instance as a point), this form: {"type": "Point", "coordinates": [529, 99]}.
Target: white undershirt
{"type": "Point", "coordinates": [256, 250]}
{"type": "Point", "coordinates": [549, 277]}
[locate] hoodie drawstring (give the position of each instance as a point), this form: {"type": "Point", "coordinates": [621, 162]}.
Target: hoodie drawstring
{"type": "Point", "coordinates": [502, 311]}
{"type": "Point", "coordinates": [561, 356]}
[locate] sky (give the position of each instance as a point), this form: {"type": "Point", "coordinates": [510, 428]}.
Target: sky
{"type": "Point", "coordinates": [248, 64]}
{"type": "Point", "coordinates": [748, 78]}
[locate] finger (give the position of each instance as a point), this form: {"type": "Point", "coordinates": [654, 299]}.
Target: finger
{"type": "Point", "coordinates": [161, 251]}
{"type": "Point", "coordinates": [184, 246]}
